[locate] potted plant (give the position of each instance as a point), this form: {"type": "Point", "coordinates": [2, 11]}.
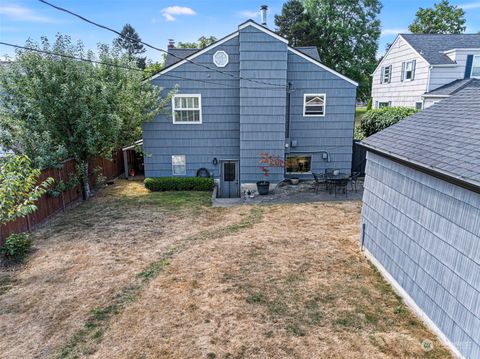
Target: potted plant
{"type": "Point", "coordinates": [267, 161]}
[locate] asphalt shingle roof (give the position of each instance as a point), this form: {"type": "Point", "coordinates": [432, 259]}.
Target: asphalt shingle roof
{"type": "Point", "coordinates": [311, 51]}
{"type": "Point", "coordinates": [432, 46]}
{"type": "Point", "coordinates": [444, 137]}
{"type": "Point", "coordinates": [450, 88]}
{"type": "Point", "coordinates": [181, 53]}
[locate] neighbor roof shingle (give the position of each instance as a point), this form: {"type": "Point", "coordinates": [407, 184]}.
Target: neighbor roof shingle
{"type": "Point", "coordinates": [444, 137]}
{"type": "Point", "coordinates": [432, 46]}
{"type": "Point", "coordinates": [450, 88]}
{"type": "Point", "coordinates": [178, 54]}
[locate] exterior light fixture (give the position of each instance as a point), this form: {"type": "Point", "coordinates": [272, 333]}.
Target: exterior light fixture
{"type": "Point", "coordinates": [215, 161]}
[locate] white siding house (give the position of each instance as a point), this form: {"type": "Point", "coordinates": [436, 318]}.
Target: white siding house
{"type": "Point", "coordinates": [421, 215]}
{"type": "Point", "coordinates": [417, 64]}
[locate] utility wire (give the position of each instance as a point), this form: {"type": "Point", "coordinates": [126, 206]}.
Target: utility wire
{"type": "Point", "coordinates": [156, 48]}
{"type": "Point", "coordinates": [105, 63]}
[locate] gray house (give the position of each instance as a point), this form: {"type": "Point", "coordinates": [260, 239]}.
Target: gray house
{"type": "Point", "coordinates": [421, 214]}
{"type": "Point", "coordinates": [248, 93]}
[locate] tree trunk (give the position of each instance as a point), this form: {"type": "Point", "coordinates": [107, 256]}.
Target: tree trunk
{"type": "Point", "coordinates": [85, 184]}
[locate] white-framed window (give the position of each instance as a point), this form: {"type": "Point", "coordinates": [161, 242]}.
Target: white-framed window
{"type": "Point", "coordinates": [314, 105]}
{"type": "Point", "coordinates": [408, 70]}
{"type": "Point", "coordinates": [298, 164]}
{"type": "Point", "coordinates": [418, 105]}
{"type": "Point", "coordinates": [179, 165]}
{"type": "Point", "coordinates": [220, 58]}
{"type": "Point", "coordinates": [475, 66]}
{"type": "Point", "coordinates": [384, 104]}
{"type": "Point", "coordinates": [386, 75]}
{"type": "Point", "coordinates": [187, 109]}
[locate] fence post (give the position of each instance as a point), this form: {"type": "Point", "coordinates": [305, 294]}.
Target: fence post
{"type": "Point", "coordinates": [61, 193]}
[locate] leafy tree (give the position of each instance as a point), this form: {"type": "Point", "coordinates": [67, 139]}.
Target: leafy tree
{"type": "Point", "coordinates": [130, 41]}
{"type": "Point", "coordinates": [202, 43]}
{"type": "Point", "coordinates": [18, 188]}
{"type": "Point", "coordinates": [294, 23]}
{"type": "Point", "coordinates": [345, 33]}
{"type": "Point", "coordinates": [443, 18]}
{"type": "Point", "coordinates": [152, 68]}
{"type": "Point", "coordinates": [55, 108]}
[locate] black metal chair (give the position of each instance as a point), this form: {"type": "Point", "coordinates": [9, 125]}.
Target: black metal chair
{"type": "Point", "coordinates": [319, 180]}
{"type": "Point", "coordinates": [342, 185]}
{"type": "Point", "coordinates": [354, 179]}
{"type": "Point", "coordinates": [329, 184]}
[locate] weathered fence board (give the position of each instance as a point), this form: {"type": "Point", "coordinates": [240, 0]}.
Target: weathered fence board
{"type": "Point", "coordinates": [49, 206]}
{"type": "Point", "coordinates": [359, 158]}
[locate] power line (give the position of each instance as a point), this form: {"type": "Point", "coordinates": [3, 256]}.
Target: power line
{"type": "Point", "coordinates": [68, 56]}
{"type": "Point", "coordinates": [154, 47]}
{"type": "Point", "coordinates": [104, 63]}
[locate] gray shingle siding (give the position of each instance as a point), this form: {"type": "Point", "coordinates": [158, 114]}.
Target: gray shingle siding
{"type": "Point", "coordinates": [425, 232]}
{"type": "Point", "coordinates": [262, 115]}
{"type": "Point", "coordinates": [218, 135]}
{"type": "Point", "coordinates": [332, 133]}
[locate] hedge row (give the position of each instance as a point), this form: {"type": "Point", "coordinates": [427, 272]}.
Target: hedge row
{"type": "Point", "coordinates": [374, 121]}
{"type": "Point", "coordinates": [179, 184]}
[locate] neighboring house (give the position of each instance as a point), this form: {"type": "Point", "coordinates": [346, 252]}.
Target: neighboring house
{"type": "Point", "coordinates": [421, 214]}
{"type": "Point", "coordinates": [418, 64]}
{"type": "Point", "coordinates": [295, 107]}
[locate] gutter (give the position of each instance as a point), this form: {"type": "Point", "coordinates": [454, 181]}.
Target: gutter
{"type": "Point", "coordinates": [445, 176]}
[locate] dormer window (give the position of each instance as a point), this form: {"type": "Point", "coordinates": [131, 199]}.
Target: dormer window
{"type": "Point", "coordinates": [476, 66]}
{"type": "Point", "coordinates": [386, 75]}
{"type": "Point", "coordinates": [314, 105]}
{"type": "Point", "coordinates": [408, 70]}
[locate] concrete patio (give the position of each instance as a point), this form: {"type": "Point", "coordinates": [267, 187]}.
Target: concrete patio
{"type": "Point", "coordinates": [287, 193]}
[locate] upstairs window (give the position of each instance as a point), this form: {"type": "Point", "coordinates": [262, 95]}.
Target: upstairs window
{"type": "Point", "coordinates": [179, 165]}
{"type": "Point", "coordinates": [386, 75]}
{"type": "Point", "coordinates": [476, 66]}
{"type": "Point", "coordinates": [314, 105]}
{"type": "Point", "coordinates": [187, 109]}
{"type": "Point", "coordinates": [408, 70]}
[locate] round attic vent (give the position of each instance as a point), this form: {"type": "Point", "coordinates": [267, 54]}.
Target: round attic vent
{"type": "Point", "coordinates": [220, 59]}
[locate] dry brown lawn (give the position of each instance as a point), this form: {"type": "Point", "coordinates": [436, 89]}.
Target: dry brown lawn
{"type": "Point", "coordinates": [132, 274]}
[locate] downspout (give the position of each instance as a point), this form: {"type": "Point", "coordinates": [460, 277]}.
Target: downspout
{"type": "Point", "coordinates": [287, 112]}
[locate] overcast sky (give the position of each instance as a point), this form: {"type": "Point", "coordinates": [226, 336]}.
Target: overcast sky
{"type": "Point", "coordinates": [158, 20]}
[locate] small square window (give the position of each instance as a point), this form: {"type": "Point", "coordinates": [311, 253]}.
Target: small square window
{"type": "Point", "coordinates": [384, 104]}
{"type": "Point", "coordinates": [418, 105]}
{"type": "Point", "coordinates": [314, 105]}
{"type": "Point", "coordinates": [299, 164]}
{"type": "Point", "coordinates": [179, 165]}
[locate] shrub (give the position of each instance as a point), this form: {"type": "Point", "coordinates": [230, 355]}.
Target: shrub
{"type": "Point", "coordinates": [378, 119]}
{"type": "Point", "coordinates": [17, 246]}
{"type": "Point", "coordinates": [179, 184]}
{"type": "Point", "coordinates": [369, 104]}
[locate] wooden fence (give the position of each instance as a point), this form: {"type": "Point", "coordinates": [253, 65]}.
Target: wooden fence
{"type": "Point", "coordinates": [359, 158]}
{"type": "Point", "coordinates": [49, 206]}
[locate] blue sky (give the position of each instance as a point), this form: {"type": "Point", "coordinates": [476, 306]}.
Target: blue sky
{"type": "Point", "coordinates": [158, 20]}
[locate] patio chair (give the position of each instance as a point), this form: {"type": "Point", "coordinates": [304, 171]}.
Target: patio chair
{"type": "Point", "coordinates": [353, 180]}
{"type": "Point", "coordinates": [342, 185]}
{"type": "Point", "coordinates": [329, 184]}
{"type": "Point", "coordinates": [319, 180]}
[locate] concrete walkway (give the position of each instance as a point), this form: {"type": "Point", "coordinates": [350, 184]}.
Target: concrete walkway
{"type": "Point", "coordinates": [287, 193]}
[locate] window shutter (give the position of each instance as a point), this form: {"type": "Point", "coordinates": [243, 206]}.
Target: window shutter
{"type": "Point", "coordinates": [382, 71]}
{"type": "Point", "coordinates": [390, 74]}
{"type": "Point", "coordinates": [468, 67]}
{"type": "Point", "coordinates": [413, 69]}
{"type": "Point", "coordinates": [402, 76]}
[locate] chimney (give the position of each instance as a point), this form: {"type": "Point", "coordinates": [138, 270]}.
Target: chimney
{"type": "Point", "coordinates": [263, 14]}
{"type": "Point", "coordinates": [171, 43]}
